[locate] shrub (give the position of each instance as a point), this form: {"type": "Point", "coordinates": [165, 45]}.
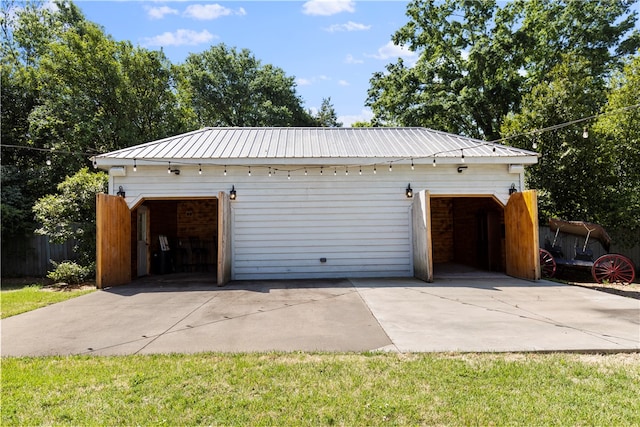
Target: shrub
{"type": "Point", "coordinates": [69, 272]}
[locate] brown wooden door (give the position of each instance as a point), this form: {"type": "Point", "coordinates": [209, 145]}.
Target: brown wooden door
{"type": "Point", "coordinates": [521, 236]}
{"type": "Point", "coordinates": [113, 241]}
{"type": "Point", "coordinates": [422, 248]}
{"type": "Point", "coordinates": [224, 239]}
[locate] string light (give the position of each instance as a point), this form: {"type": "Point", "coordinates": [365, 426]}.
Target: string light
{"type": "Point", "coordinates": [288, 174]}
{"type": "Point", "coordinates": [374, 170]}
{"type": "Point", "coordinates": [335, 171]}
{"type": "Point", "coordinates": [462, 155]}
{"type": "Point", "coordinates": [412, 167]}
{"type": "Point", "coordinates": [269, 170]}
{"type": "Point", "coordinates": [135, 166]}
{"type": "Point", "coordinates": [249, 170]}
{"type": "Point", "coordinates": [199, 169]}
{"type": "Point", "coordinates": [360, 170]}
{"type": "Point", "coordinates": [390, 167]}
{"type": "Point", "coordinates": [321, 170]}
{"type": "Point", "coordinates": [346, 171]}
{"type": "Point", "coordinates": [434, 162]}
{"type": "Point", "coordinates": [225, 170]}
{"type": "Point", "coordinates": [585, 133]}
{"type": "Point", "coordinates": [169, 168]}
{"type": "Point", "coordinates": [305, 171]}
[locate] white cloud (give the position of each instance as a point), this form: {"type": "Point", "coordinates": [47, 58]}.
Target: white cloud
{"type": "Point", "coordinates": [328, 7]}
{"type": "Point", "coordinates": [302, 81]}
{"type": "Point", "coordinates": [349, 59]}
{"type": "Point", "coordinates": [160, 12]}
{"type": "Point", "coordinates": [180, 38]}
{"type": "Point", "coordinates": [208, 12]}
{"type": "Point", "coordinates": [343, 83]}
{"type": "Point", "coordinates": [349, 26]}
{"type": "Point", "coordinates": [348, 120]}
{"type": "Point", "coordinates": [392, 51]}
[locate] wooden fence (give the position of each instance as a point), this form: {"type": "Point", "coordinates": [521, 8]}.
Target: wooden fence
{"type": "Point", "coordinates": [568, 244]}
{"type": "Point", "coordinates": [30, 255]}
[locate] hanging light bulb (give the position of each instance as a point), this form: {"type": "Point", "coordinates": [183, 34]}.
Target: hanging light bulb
{"type": "Point", "coordinates": [535, 144]}
{"type": "Point", "coordinates": [288, 174]}
{"type": "Point", "coordinates": [135, 166]}
{"type": "Point", "coordinates": [225, 170]}
{"type": "Point", "coordinates": [360, 170]}
{"type": "Point", "coordinates": [585, 133]}
{"type": "Point", "coordinates": [434, 162]}
{"type": "Point", "coordinates": [390, 167]}
{"type": "Point", "coordinates": [269, 171]}
{"type": "Point", "coordinates": [249, 170]}
{"type": "Point", "coordinates": [169, 168]}
{"type": "Point", "coordinates": [321, 171]}
{"type": "Point", "coordinates": [412, 167]}
{"type": "Point", "coordinates": [346, 171]}
{"type": "Point", "coordinates": [305, 172]}
{"type": "Point", "coordinates": [462, 158]}
{"type": "Point", "coordinates": [199, 169]}
{"type": "Point", "coordinates": [335, 171]}
{"type": "Point", "coordinates": [374, 170]}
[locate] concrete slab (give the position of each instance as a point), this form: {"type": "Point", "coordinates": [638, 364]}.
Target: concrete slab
{"type": "Point", "coordinates": [169, 315]}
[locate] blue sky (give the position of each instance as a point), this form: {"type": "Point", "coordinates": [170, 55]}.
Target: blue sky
{"type": "Point", "coordinates": [331, 47]}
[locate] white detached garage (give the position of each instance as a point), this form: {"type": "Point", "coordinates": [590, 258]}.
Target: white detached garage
{"type": "Point", "coordinates": [278, 203]}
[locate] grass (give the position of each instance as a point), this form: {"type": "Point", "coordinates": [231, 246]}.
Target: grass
{"type": "Point", "coordinates": [16, 300]}
{"type": "Point", "coordinates": [323, 389]}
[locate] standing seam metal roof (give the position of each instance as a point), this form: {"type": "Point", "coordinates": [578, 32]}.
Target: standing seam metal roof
{"type": "Point", "coordinates": [290, 143]}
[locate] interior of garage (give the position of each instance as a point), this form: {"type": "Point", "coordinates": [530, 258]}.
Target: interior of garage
{"type": "Point", "coordinates": [181, 237]}
{"type": "Point", "coordinates": [468, 231]}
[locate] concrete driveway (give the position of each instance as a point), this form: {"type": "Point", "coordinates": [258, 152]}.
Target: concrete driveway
{"type": "Point", "coordinates": [493, 313]}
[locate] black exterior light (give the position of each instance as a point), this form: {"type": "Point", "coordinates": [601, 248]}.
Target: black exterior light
{"type": "Point", "coordinates": [512, 189]}
{"type": "Point", "coordinates": [121, 192]}
{"type": "Point", "coordinates": [408, 192]}
{"type": "Point", "coordinates": [232, 193]}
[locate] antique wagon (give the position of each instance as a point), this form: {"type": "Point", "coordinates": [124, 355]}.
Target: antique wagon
{"type": "Point", "coordinates": [609, 268]}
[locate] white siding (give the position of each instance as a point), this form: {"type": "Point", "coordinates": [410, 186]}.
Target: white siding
{"type": "Point", "coordinates": [281, 227]}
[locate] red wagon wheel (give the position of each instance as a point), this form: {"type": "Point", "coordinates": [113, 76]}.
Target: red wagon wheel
{"type": "Point", "coordinates": [613, 268]}
{"type": "Point", "coordinates": [547, 264]}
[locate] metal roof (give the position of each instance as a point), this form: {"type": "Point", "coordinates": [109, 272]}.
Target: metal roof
{"type": "Point", "coordinates": [269, 145]}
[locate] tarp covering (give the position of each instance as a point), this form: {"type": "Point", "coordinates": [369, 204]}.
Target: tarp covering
{"type": "Point", "coordinates": [583, 229]}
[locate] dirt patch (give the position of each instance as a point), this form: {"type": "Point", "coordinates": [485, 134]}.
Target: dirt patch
{"type": "Point", "coordinates": [630, 291]}
{"type": "Point", "coordinates": [65, 287]}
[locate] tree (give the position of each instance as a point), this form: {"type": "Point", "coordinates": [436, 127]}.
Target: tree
{"type": "Point", "coordinates": [326, 116]}
{"type": "Point", "coordinates": [71, 214]}
{"type": "Point", "coordinates": [477, 59]}
{"type": "Point", "coordinates": [227, 87]}
{"type": "Point", "coordinates": [619, 129]}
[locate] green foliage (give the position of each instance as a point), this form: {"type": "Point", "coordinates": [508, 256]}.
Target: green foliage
{"type": "Point", "coordinates": [477, 59]}
{"type": "Point", "coordinates": [227, 87]}
{"type": "Point", "coordinates": [71, 214]}
{"type": "Point", "coordinates": [619, 133]}
{"type": "Point", "coordinates": [326, 116]}
{"type": "Point", "coordinates": [69, 272]}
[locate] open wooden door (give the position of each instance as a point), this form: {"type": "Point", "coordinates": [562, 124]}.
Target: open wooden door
{"type": "Point", "coordinates": [521, 236]}
{"type": "Point", "coordinates": [422, 248]}
{"type": "Point", "coordinates": [113, 241]}
{"type": "Point", "coordinates": [224, 239]}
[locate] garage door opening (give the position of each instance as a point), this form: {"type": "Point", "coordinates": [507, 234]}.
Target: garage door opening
{"type": "Point", "coordinates": [174, 236]}
{"type": "Point", "coordinates": [468, 231]}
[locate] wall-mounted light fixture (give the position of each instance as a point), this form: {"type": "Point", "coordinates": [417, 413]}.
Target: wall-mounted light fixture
{"type": "Point", "coordinates": [232, 193]}
{"type": "Point", "coordinates": [408, 191]}
{"type": "Point", "coordinates": [512, 189]}
{"type": "Point", "coordinates": [462, 168]}
{"type": "Point", "coordinates": [121, 192]}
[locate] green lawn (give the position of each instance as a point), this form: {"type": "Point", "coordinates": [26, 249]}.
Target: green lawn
{"type": "Point", "coordinates": [26, 298]}
{"type": "Point", "coordinates": [323, 389]}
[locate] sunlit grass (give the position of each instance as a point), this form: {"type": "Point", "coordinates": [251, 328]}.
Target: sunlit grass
{"type": "Point", "coordinates": [15, 301]}
{"type": "Point", "coordinates": [323, 389]}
